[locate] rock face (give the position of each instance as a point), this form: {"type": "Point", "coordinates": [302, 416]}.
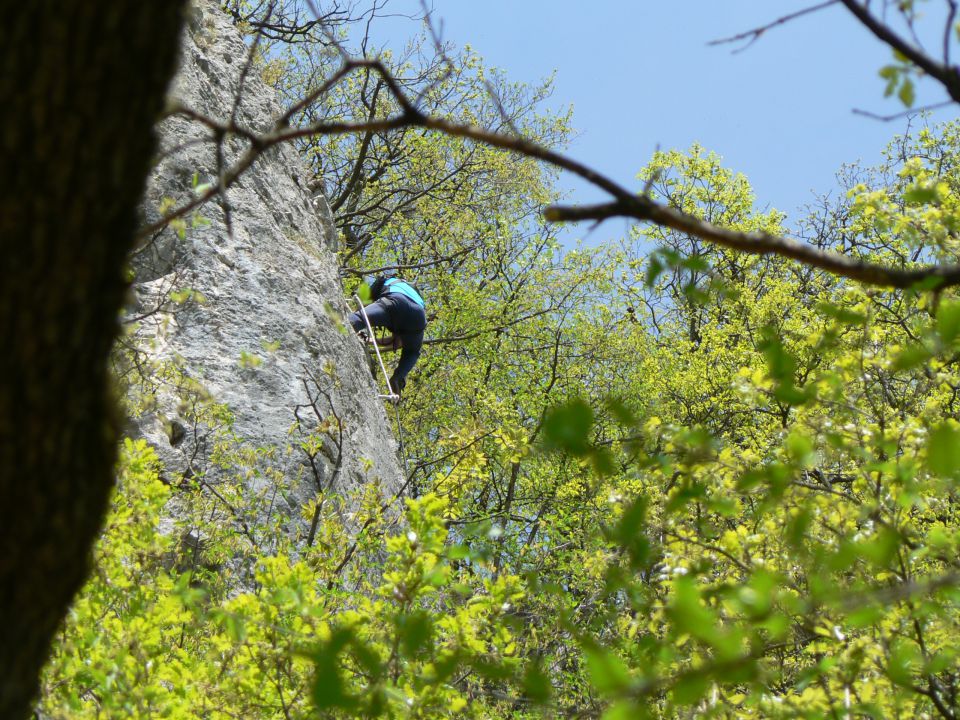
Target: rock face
{"type": "Point", "coordinates": [248, 313]}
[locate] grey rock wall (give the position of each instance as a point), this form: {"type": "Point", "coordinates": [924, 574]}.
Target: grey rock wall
{"type": "Point", "coordinates": [267, 340]}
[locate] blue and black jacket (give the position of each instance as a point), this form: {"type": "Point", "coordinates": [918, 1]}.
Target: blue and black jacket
{"type": "Point", "coordinates": [401, 309]}
{"type": "Point", "coordinates": [409, 315]}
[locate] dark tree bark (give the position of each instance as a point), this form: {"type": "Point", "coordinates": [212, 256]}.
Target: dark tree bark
{"type": "Point", "coordinates": [81, 85]}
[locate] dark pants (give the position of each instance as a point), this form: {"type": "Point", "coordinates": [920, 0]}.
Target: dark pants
{"type": "Point", "coordinates": [402, 317]}
{"type": "Point", "coordinates": [377, 314]}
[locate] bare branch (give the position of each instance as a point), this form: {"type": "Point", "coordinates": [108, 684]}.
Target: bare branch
{"type": "Point", "coordinates": [751, 36]}
{"type": "Point", "coordinates": [903, 114]}
{"type": "Point", "coordinates": [760, 243]}
{"type": "Point", "coordinates": [251, 57]}
{"type": "Point", "coordinates": [948, 30]}
{"type": "Point", "coordinates": [947, 76]}
{"type": "Point", "coordinates": [625, 203]}
{"type": "Point", "coordinates": [485, 331]}
{"type": "Point", "coordinates": [356, 175]}
{"type": "Point", "coordinates": [415, 266]}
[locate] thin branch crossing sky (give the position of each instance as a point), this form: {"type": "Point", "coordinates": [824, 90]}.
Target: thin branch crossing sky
{"type": "Point", "coordinates": [641, 75]}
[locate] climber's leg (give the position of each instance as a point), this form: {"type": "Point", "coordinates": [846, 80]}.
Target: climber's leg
{"type": "Point", "coordinates": [377, 314]}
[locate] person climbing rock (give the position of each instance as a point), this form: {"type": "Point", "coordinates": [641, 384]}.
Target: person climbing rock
{"type": "Point", "coordinates": [399, 308]}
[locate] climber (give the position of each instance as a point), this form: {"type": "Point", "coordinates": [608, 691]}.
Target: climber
{"type": "Point", "coordinates": [399, 308]}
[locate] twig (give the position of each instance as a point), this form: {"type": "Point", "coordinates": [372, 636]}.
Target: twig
{"type": "Point", "coordinates": [414, 266]}
{"type": "Point", "coordinates": [761, 243]}
{"type": "Point", "coordinates": [903, 114]}
{"type": "Point", "coordinates": [625, 203]}
{"type": "Point", "coordinates": [948, 30]}
{"type": "Point", "coordinates": [751, 36]}
{"type": "Point", "coordinates": [948, 76]}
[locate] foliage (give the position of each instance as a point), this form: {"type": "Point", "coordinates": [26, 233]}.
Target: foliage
{"type": "Point", "coordinates": [649, 479]}
{"type": "Point", "coordinates": [163, 630]}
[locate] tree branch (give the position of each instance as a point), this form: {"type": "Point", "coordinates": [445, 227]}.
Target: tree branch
{"type": "Point", "coordinates": [751, 36]}
{"type": "Point", "coordinates": [625, 203]}
{"type": "Point", "coordinates": [759, 243]}
{"type": "Point", "coordinates": [947, 76]}
{"type": "Point", "coordinates": [415, 266]}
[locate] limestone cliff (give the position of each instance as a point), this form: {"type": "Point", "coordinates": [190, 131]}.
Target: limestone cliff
{"type": "Point", "coordinates": [249, 311]}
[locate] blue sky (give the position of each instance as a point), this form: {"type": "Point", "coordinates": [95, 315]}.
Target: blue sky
{"type": "Point", "coordinates": [640, 74]}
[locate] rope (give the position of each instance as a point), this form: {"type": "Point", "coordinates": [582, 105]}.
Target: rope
{"type": "Point", "coordinates": [392, 396]}
{"type": "Point", "coordinates": [403, 452]}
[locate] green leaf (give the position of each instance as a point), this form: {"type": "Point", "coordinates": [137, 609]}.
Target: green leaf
{"type": "Point", "coordinates": [684, 495]}
{"type": "Point", "coordinates": [567, 427]}
{"type": "Point", "coordinates": [907, 93]}
{"type": "Point", "coordinates": [943, 450]}
{"type": "Point", "coordinates": [626, 710]}
{"type": "Point", "coordinates": [235, 627]}
{"type": "Point", "coordinates": [367, 659]}
{"type": "Point", "coordinates": [782, 366]}
{"type": "Point", "coordinates": [654, 268]}
{"type": "Point", "coordinates": [948, 322]}
{"type": "Point", "coordinates": [931, 282]}
{"type": "Point", "coordinates": [882, 547]}
{"type": "Point", "coordinates": [844, 315]}
{"type": "Point", "coordinates": [890, 73]}
{"type": "Point", "coordinates": [608, 673]}
{"type": "Point", "coordinates": [920, 195]}
{"type": "Point", "coordinates": [334, 315]}
{"type": "Point", "coordinates": [363, 292]}
{"type": "Point", "coordinates": [940, 661]}
{"type": "Point", "coordinates": [807, 676]}
{"type": "Point", "coordinates": [459, 552]}
{"type": "Point", "coordinates": [725, 506]}
{"type": "Point", "coordinates": [779, 362]}
{"type": "Point", "coordinates": [690, 689]}
{"type": "Point", "coordinates": [621, 412]}
{"type": "Point", "coordinates": [633, 520]}
{"type": "Point", "coordinates": [629, 532]}
{"type": "Point", "coordinates": [697, 263]}
{"type": "Point", "coordinates": [415, 632]}
{"type": "Point", "coordinates": [329, 689]}
{"type": "Point", "coordinates": [687, 613]}
{"type": "Point", "coordinates": [800, 448]}
{"type": "Point", "coordinates": [910, 357]}
{"type": "Point", "coordinates": [790, 394]}
{"type": "Point", "coordinates": [536, 685]}
{"type": "Point", "coordinates": [603, 462]}
{"type": "Point", "coordinates": [865, 616]}
{"type": "Point", "coordinates": [756, 597]}
{"type": "Point", "coordinates": [797, 528]}
{"type": "Point", "coordinates": [696, 294]}
{"type": "Point", "coordinates": [903, 662]}
{"type": "Point", "coordinates": [492, 670]}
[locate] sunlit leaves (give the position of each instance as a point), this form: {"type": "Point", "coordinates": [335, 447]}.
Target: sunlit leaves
{"type": "Point", "coordinates": [676, 483]}
{"type": "Point", "coordinates": [898, 81]}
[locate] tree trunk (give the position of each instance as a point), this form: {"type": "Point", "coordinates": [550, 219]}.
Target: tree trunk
{"type": "Point", "coordinates": [81, 86]}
